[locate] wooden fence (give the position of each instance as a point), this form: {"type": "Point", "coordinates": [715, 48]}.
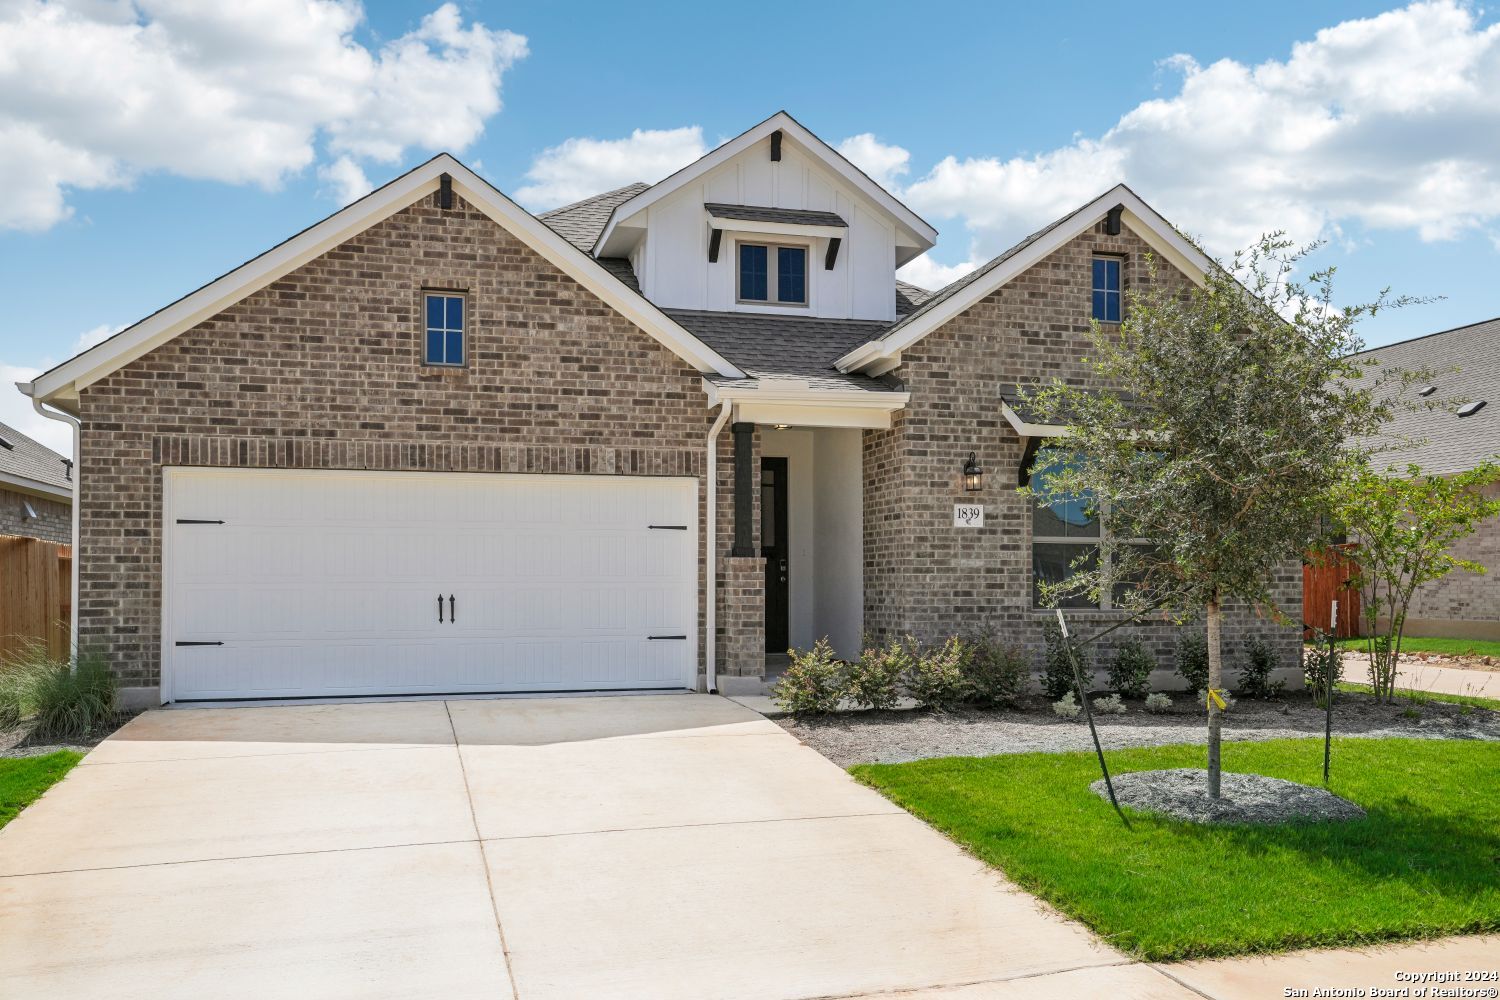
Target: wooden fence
{"type": "Point", "coordinates": [36, 599]}
{"type": "Point", "coordinates": [1325, 578]}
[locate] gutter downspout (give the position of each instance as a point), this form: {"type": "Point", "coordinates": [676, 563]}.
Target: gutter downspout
{"type": "Point", "coordinates": [710, 548]}
{"type": "Point", "coordinates": [71, 421]}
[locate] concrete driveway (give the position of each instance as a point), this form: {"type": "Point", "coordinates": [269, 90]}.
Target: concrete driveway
{"type": "Point", "coordinates": [671, 846]}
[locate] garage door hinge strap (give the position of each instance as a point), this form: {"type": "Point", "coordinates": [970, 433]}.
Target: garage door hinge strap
{"type": "Point", "coordinates": [194, 520]}
{"type": "Point", "coordinates": [199, 644]}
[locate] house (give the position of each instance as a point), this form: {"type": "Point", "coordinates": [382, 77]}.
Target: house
{"type": "Point", "coordinates": [1446, 440]}
{"type": "Point", "coordinates": [36, 489]}
{"type": "Point", "coordinates": [435, 443]}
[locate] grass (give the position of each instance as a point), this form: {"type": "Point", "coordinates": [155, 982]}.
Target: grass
{"type": "Point", "coordinates": [24, 779]}
{"type": "Point", "coordinates": [1426, 861]}
{"type": "Point", "coordinates": [1444, 647]}
{"type": "Point", "coordinates": [1410, 694]}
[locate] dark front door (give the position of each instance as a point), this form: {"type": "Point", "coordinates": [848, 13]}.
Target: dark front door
{"type": "Point", "coordinates": [773, 545]}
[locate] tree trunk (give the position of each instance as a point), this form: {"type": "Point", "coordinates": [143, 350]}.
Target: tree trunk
{"type": "Point", "coordinates": [1215, 681]}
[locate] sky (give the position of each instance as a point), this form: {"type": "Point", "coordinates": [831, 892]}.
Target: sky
{"type": "Point", "coordinates": [148, 146]}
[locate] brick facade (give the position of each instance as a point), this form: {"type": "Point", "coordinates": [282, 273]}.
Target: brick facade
{"type": "Point", "coordinates": [53, 521]}
{"type": "Point", "coordinates": [321, 370]}
{"type": "Point", "coordinates": [1464, 605]}
{"type": "Point", "coordinates": [927, 578]}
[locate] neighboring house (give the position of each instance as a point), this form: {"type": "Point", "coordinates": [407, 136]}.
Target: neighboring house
{"type": "Point", "coordinates": [36, 489]}
{"type": "Point", "coordinates": [435, 443]}
{"type": "Point", "coordinates": [1447, 440]}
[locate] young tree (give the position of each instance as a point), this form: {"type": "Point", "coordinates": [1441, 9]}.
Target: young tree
{"type": "Point", "coordinates": [1404, 525]}
{"type": "Point", "coordinates": [1216, 419]}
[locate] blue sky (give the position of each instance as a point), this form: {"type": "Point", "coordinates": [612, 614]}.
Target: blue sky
{"type": "Point", "coordinates": [216, 134]}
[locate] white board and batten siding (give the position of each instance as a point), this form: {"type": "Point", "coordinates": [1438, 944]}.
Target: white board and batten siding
{"type": "Point", "coordinates": [672, 261]}
{"type": "Point", "coordinates": [324, 583]}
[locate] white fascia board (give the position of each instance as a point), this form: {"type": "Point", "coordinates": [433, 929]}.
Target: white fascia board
{"type": "Point", "coordinates": [36, 487]}
{"type": "Point", "coordinates": [801, 406]}
{"type": "Point", "coordinates": [95, 363]}
{"type": "Point", "coordinates": [777, 228]}
{"type": "Point", "coordinates": [1030, 430]}
{"type": "Point", "coordinates": [921, 234]}
{"type": "Point", "coordinates": [1155, 231]}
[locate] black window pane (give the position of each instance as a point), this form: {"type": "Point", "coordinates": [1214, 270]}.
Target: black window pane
{"type": "Point", "coordinates": [753, 273]}
{"type": "Point", "coordinates": [768, 515]}
{"type": "Point", "coordinates": [1052, 563]}
{"type": "Point", "coordinates": [1128, 579]}
{"type": "Point", "coordinates": [791, 274]}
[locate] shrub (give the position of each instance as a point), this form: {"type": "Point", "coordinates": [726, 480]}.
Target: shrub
{"type": "Point", "coordinates": [1320, 664]}
{"type": "Point", "coordinates": [813, 683]}
{"type": "Point", "coordinates": [1066, 707]}
{"type": "Point", "coordinates": [58, 699]}
{"type": "Point", "coordinates": [874, 680]}
{"type": "Point", "coordinates": [998, 675]}
{"type": "Point", "coordinates": [1111, 705]}
{"type": "Point", "coordinates": [1158, 703]}
{"type": "Point", "coordinates": [1057, 667]}
{"type": "Point", "coordinates": [1130, 670]}
{"type": "Point", "coordinates": [1255, 675]}
{"type": "Point", "coordinates": [935, 677]}
{"type": "Point", "coordinates": [1192, 660]}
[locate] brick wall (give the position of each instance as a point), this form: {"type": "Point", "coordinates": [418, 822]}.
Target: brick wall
{"type": "Point", "coordinates": [922, 575]}
{"type": "Point", "coordinates": [53, 521]}
{"type": "Point", "coordinates": [741, 622]}
{"type": "Point", "coordinates": [1464, 604]}
{"type": "Point", "coordinates": [322, 370]}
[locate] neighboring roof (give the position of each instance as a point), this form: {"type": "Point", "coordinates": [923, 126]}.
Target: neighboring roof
{"type": "Point", "coordinates": [790, 216]}
{"type": "Point", "coordinates": [922, 234]}
{"type": "Point", "coordinates": [30, 464]}
{"type": "Point", "coordinates": [581, 222]}
{"type": "Point", "coordinates": [1466, 361]}
{"type": "Point", "coordinates": [953, 299]}
{"type": "Point", "coordinates": [794, 347]}
{"type": "Point", "coordinates": [63, 381]}
{"type": "Point", "coordinates": [909, 296]}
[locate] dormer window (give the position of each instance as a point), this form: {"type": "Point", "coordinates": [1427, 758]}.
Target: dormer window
{"type": "Point", "coordinates": [1107, 289]}
{"type": "Point", "coordinates": [775, 274]}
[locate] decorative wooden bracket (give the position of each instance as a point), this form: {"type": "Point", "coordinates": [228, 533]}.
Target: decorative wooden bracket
{"type": "Point", "coordinates": [715, 236]}
{"type": "Point", "coordinates": [833, 253]}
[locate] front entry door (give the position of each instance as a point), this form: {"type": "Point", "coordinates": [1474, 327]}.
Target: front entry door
{"type": "Point", "coordinates": [773, 545]}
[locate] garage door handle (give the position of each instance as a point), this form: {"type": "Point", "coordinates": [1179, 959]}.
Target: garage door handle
{"type": "Point", "coordinates": [666, 637]}
{"type": "Point", "coordinates": [452, 614]}
{"type": "Point", "coordinates": [667, 527]}
{"type": "Point", "coordinates": [199, 644]}
{"type": "Point", "coordinates": [440, 609]}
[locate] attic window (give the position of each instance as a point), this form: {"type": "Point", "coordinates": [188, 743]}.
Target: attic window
{"type": "Point", "coordinates": [772, 274]}
{"type": "Point", "coordinates": [1469, 409]}
{"type": "Point", "coordinates": [1106, 289]}
{"type": "Point", "coordinates": [444, 340]}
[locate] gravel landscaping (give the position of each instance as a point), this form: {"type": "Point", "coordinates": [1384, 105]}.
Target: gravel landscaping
{"type": "Point", "coordinates": [895, 737]}
{"type": "Point", "coordinates": [1182, 793]}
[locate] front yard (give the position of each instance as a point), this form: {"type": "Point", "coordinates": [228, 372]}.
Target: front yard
{"type": "Point", "coordinates": [24, 779]}
{"type": "Point", "coordinates": [1425, 863]}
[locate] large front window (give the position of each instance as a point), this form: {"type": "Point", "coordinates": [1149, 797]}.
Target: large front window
{"type": "Point", "coordinates": [773, 274]}
{"type": "Point", "coordinates": [1067, 535]}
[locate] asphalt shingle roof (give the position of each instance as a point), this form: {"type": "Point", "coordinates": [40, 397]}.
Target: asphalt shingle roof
{"type": "Point", "coordinates": [756, 213]}
{"type": "Point", "coordinates": [1467, 363]}
{"type": "Point", "coordinates": [581, 222]}
{"type": "Point", "coordinates": [30, 459]}
{"type": "Point", "coordinates": [789, 347]}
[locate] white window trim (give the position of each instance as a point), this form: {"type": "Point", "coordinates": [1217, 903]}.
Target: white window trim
{"type": "Point", "coordinates": [463, 331]}
{"type": "Point", "coordinates": [771, 273]}
{"type": "Point", "coordinates": [1118, 293]}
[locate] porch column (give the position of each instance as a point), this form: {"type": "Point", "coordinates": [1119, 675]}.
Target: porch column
{"type": "Point", "coordinates": [744, 481]}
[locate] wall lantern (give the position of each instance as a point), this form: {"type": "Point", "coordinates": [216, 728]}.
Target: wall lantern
{"type": "Point", "coordinates": [973, 475]}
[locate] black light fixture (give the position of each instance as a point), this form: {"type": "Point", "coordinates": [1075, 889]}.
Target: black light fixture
{"type": "Point", "coordinates": [973, 475]}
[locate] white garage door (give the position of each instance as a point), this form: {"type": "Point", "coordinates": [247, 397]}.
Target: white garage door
{"type": "Point", "coordinates": [308, 584]}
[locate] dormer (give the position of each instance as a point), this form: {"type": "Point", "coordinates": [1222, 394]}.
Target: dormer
{"type": "Point", "coordinates": [774, 221]}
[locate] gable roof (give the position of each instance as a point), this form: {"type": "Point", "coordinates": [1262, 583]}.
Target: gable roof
{"type": "Point", "coordinates": [921, 232]}
{"type": "Point", "coordinates": [953, 299]}
{"type": "Point", "coordinates": [31, 465]}
{"type": "Point", "coordinates": [1446, 442]}
{"type": "Point", "coordinates": [63, 382]}
{"type": "Point", "coordinates": [581, 222]}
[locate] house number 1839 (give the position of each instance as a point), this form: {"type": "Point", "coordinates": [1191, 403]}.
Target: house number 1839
{"type": "Point", "coordinates": [968, 515]}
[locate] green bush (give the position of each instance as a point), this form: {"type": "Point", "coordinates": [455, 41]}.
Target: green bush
{"type": "Point", "coordinates": [874, 680]}
{"type": "Point", "coordinates": [814, 682]}
{"type": "Point", "coordinates": [1057, 667]}
{"type": "Point", "coordinates": [1323, 668]}
{"type": "Point", "coordinates": [1255, 675]}
{"type": "Point", "coordinates": [998, 674]}
{"type": "Point", "coordinates": [1130, 669]}
{"type": "Point", "coordinates": [1066, 707]}
{"type": "Point", "coordinates": [1111, 705]}
{"type": "Point", "coordinates": [56, 699]}
{"type": "Point", "coordinates": [1192, 660]}
{"type": "Point", "coordinates": [936, 677]}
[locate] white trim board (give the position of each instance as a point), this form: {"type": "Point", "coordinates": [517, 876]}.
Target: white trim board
{"type": "Point", "coordinates": [63, 383]}
{"type": "Point", "coordinates": [1139, 217]}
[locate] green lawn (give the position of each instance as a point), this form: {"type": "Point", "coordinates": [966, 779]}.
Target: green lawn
{"type": "Point", "coordinates": [24, 779]}
{"type": "Point", "coordinates": [1446, 647]}
{"type": "Point", "coordinates": [1425, 862]}
{"type": "Point", "coordinates": [1407, 694]}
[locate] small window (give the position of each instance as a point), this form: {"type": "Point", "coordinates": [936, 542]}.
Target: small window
{"type": "Point", "coordinates": [1107, 289]}
{"type": "Point", "coordinates": [783, 284]}
{"type": "Point", "coordinates": [444, 344]}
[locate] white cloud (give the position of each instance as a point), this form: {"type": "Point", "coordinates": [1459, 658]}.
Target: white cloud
{"type": "Point", "coordinates": [345, 179]}
{"type": "Point", "coordinates": [924, 272]}
{"type": "Point", "coordinates": [580, 167]}
{"type": "Point", "coordinates": [98, 335]}
{"type": "Point", "coordinates": [885, 164]}
{"type": "Point", "coordinates": [16, 410]}
{"type": "Point", "coordinates": [1390, 122]}
{"type": "Point", "coordinates": [93, 95]}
